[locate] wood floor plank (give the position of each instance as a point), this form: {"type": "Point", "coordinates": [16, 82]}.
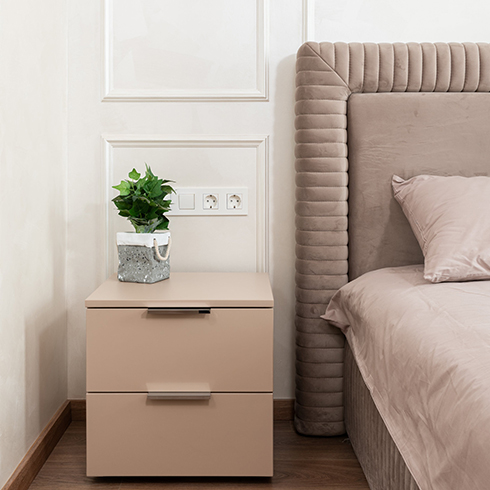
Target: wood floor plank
{"type": "Point", "coordinates": [299, 462]}
{"type": "Point", "coordinates": [288, 444]}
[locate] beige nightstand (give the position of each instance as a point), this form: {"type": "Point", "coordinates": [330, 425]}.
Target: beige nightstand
{"type": "Point", "coordinates": [179, 376]}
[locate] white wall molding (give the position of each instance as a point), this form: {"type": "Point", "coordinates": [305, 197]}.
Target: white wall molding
{"type": "Point", "coordinates": [308, 20]}
{"type": "Point", "coordinates": [259, 93]}
{"type": "Point", "coordinates": [259, 142]}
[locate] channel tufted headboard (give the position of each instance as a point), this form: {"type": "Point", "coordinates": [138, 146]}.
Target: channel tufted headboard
{"type": "Point", "coordinates": [412, 109]}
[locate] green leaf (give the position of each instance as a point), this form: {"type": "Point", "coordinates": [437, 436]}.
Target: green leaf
{"type": "Point", "coordinates": [155, 223]}
{"type": "Point", "coordinates": [149, 185]}
{"type": "Point", "coordinates": [142, 201]}
{"type": "Point", "coordinates": [156, 191]}
{"type": "Point", "coordinates": [124, 187]}
{"type": "Point", "coordinates": [122, 202]}
{"type": "Point", "coordinates": [138, 228]}
{"type": "Point", "coordinates": [163, 225]}
{"type": "Point", "coordinates": [168, 189]}
{"type": "Point", "coordinates": [134, 174]}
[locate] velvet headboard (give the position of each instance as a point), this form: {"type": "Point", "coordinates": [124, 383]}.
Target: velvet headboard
{"type": "Point", "coordinates": [421, 108]}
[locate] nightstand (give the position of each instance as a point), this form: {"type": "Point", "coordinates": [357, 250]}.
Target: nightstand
{"type": "Point", "coordinates": [179, 376]}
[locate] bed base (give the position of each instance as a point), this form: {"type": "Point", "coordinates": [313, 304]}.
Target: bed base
{"type": "Point", "coordinates": [376, 451]}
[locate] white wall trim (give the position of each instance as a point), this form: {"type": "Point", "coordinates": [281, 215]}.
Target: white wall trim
{"type": "Point", "coordinates": [259, 142]}
{"type": "Point", "coordinates": [260, 93]}
{"type": "Point", "coordinates": [308, 20]}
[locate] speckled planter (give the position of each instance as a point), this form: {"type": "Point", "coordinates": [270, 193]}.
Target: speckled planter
{"type": "Point", "coordinates": [139, 260]}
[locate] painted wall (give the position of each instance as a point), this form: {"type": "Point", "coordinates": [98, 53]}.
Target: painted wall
{"type": "Point", "coordinates": [204, 92]}
{"type": "Point", "coordinates": [160, 57]}
{"type": "Point", "coordinates": [205, 95]}
{"type": "Point", "coordinates": [33, 361]}
{"type": "Point", "coordinates": [388, 21]}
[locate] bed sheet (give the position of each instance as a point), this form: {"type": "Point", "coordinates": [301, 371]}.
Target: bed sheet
{"type": "Point", "coordinates": [424, 353]}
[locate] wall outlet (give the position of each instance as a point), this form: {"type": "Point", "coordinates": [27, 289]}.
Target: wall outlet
{"type": "Point", "coordinates": [234, 201]}
{"type": "Point", "coordinates": [210, 201]}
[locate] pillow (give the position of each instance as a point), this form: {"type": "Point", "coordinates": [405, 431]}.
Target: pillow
{"type": "Point", "coordinates": [450, 217]}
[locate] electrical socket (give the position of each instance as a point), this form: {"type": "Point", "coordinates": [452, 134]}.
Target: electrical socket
{"type": "Point", "coordinates": [210, 201]}
{"type": "Point", "coordinates": [234, 201]}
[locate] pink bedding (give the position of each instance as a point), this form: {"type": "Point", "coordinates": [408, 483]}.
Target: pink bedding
{"type": "Point", "coordinates": [424, 352]}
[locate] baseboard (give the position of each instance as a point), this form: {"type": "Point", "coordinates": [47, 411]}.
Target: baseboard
{"type": "Point", "coordinates": [40, 450]}
{"type": "Point", "coordinates": [284, 409]}
{"type": "Point", "coordinates": [78, 410]}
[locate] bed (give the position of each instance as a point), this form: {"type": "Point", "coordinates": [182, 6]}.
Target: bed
{"type": "Point", "coordinates": [364, 113]}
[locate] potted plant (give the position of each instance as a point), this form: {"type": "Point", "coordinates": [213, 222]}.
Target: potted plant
{"type": "Point", "coordinates": [144, 254]}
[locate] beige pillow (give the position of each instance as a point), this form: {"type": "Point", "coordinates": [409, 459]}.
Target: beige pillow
{"type": "Point", "coordinates": [450, 217]}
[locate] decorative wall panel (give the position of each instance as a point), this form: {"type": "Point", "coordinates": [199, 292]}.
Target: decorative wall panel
{"type": "Point", "coordinates": [187, 50]}
{"type": "Point", "coordinates": [199, 243]}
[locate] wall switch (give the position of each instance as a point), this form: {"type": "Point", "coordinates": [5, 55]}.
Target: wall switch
{"type": "Point", "coordinates": [187, 201]}
{"type": "Point", "coordinates": [209, 201]}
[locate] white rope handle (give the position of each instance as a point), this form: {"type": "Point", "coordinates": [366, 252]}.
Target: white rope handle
{"type": "Point", "coordinates": [167, 253]}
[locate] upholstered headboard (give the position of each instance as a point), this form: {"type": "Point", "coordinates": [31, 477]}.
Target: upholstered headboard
{"type": "Point", "coordinates": [365, 112]}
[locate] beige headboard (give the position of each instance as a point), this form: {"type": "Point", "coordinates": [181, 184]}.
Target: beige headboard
{"type": "Point", "coordinates": [421, 108]}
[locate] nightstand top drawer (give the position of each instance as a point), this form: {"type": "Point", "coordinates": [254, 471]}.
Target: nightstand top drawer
{"type": "Point", "coordinates": [187, 289]}
{"type": "Point", "coordinates": [134, 350]}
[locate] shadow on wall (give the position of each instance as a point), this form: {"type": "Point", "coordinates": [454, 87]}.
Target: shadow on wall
{"type": "Point", "coordinates": [45, 336]}
{"type": "Point", "coordinates": [86, 270]}
{"type": "Point", "coordinates": [282, 216]}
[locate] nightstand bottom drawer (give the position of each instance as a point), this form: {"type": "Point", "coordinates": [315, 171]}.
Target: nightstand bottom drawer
{"type": "Point", "coordinates": [229, 434]}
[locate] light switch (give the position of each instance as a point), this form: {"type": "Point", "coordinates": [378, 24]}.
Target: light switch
{"type": "Point", "coordinates": [187, 201]}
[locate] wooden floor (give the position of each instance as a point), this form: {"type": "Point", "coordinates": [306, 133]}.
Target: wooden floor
{"type": "Point", "coordinates": [299, 462]}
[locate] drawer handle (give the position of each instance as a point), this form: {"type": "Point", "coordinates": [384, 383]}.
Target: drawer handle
{"type": "Point", "coordinates": [179, 311]}
{"type": "Point", "coordinates": [179, 395]}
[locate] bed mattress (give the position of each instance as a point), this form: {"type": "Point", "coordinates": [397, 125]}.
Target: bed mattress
{"type": "Point", "coordinates": [424, 353]}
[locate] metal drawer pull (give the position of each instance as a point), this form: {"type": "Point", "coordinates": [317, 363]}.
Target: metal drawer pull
{"type": "Point", "coordinates": [179, 311]}
{"type": "Point", "coordinates": [179, 395]}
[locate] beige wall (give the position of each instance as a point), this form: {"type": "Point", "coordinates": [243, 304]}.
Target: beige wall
{"type": "Point", "coordinates": [35, 135]}
{"type": "Point", "coordinates": [133, 98]}
{"type": "Point", "coordinates": [33, 374]}
{"type": "Point", "coordinates": [169, 51]}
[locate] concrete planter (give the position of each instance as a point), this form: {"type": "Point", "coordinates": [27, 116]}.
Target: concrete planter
{"type": "Point", "coordinates": [143, 257]}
